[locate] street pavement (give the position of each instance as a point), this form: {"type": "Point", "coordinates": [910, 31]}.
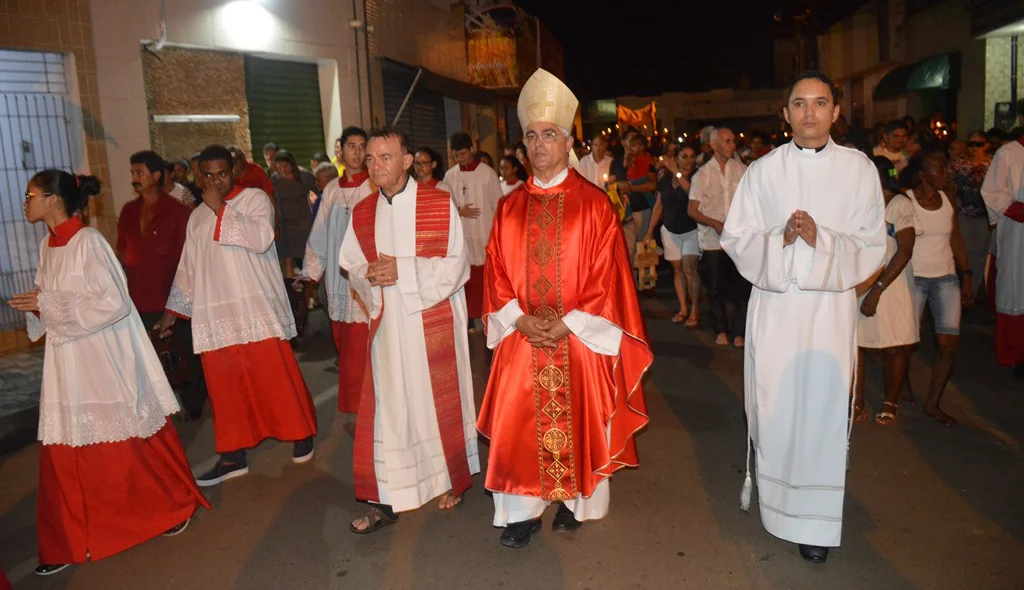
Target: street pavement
{"type": "Point", "coordinates": [926, 506]}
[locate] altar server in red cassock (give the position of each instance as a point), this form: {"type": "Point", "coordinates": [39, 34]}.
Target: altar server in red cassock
{"type": "Point", "coordinates": [229, 282]}
{"type": "Point", "coordinates": [349, 323]}
{"type": "Point", "coordinates": [406, 260]}
{"type": "Point", "coordinates": [112, 472]}
{"type": "Point", "coordinates": [475, 188]}
{"type": "Point", "coordinates": [1003, 191]}
{"type": "Point", "coordinates": [564, 401]}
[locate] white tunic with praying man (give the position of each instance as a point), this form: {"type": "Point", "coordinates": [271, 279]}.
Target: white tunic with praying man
{"type": "Point", "coordinates": [480, 188]}
{"type": "Point", "coordinates": [801, 326]}
{"type": "Point", "coordinates": [409, 459]}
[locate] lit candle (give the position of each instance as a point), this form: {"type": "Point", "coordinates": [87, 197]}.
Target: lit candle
{"type": "Point", "coordinates": [606, 178]}
{"type": "Point", "coordinates": [680, 139]}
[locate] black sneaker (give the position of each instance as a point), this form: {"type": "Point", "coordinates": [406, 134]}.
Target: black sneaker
{"type": "Point", "coordinates": [221, 472]}
{"type": "Point", "coordinates": [178, 528]}
{"type": "Point", "coordinates": [303, 450]}
{"type": "Point", "coordinates": [48, 569]}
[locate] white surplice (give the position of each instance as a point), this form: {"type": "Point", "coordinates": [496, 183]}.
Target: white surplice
{"type": "Point", "coordinates": [232, 287]}
{"type": "Point", "coordinates": [408, 456]}
{"type": "Point", "coordinates": [600, 336]}
{"type": "Point", "coordinates": [801, 326]}
{"type": "Point", "coordinates": [482, 189]}
{"type": "Point", "coordinates": [102, 380]}
{"type": "Point", "coordinates": [324, 245]}
{"type": "Point", "coordinates": [506, 188]}
{"type": "Point", "coordinates": [1003, 186]}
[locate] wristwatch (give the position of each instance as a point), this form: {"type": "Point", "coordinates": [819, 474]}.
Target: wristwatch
{"type": "Point", "coordinates": [880, 285]}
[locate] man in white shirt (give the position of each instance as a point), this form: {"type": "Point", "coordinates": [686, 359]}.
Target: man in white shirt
{"type": "Point", "coordinates": [475, 190]}
{"type": "Point", "coordinates": [893, 142]}
{"type": "Point", "coordinates": [711, 192]}
{"type": "Point", "coordinates": [807, 225]}
{"type": "Point", "coordinates": [595, 165]}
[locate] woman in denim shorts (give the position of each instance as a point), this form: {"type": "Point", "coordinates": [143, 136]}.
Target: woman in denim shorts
{"type": "Point", "coordinates": [939, 252]}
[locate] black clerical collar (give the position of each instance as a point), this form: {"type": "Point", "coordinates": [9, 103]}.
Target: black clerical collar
{"type": "Point", "coordinates": [400, 191]}
{"type": "Point", "coordinates": [816, 150]}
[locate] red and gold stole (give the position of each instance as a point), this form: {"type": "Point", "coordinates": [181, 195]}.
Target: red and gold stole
{"type": "Point", "coordinates": [433, 217]}
{"type": "Point", "coordinates": [550, 366]}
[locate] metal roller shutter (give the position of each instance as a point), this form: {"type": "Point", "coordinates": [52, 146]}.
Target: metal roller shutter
{"type": "Point", "coordinates": [423, 119]}
{"type": "Point", "coordinates": [284, 107]}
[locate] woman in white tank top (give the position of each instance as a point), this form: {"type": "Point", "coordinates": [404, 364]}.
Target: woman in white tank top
{"type": "Point", "coordinates": [939, 252]}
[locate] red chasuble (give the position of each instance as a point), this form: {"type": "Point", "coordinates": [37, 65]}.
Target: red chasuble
{"type": "Point", "coordinates": [432, 222]}
{"type": "Point", "coordinates": [547, 412]}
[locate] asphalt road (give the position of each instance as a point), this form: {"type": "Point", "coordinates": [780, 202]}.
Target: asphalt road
{"type": "Point", "coordinates": [926, 506]}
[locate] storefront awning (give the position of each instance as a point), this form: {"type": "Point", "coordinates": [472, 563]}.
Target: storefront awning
{"type": "Point", "coordinates": [940, 72]}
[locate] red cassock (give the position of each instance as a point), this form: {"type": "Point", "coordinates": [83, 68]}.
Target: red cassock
{"type": "Point", "coordinates": [350, 340]}
{"type": "Point", "coordinates": [562, 420]}
{"type": "Point", "coordinates": [256, 392]}
{"type": "Point", "coordinates": [5, 584]}
{"type": "Point", "coordinates": [102, 499]}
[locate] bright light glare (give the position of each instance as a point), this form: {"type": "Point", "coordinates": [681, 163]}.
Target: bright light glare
{"type": "Point", "coordinates": [248, 25]}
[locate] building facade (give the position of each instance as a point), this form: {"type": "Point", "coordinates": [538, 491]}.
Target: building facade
{"type": "Point", "coordinates": [879, 56]}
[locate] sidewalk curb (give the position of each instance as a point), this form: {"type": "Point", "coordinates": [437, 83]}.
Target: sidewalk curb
{"type": "Point", "coordinates": [18, 430]}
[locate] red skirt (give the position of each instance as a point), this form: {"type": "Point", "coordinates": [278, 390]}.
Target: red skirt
{"type": "Point", "coordinates": [475, 292]}
{"type": "Point", "coordinates": [105, 498]}
{"type": "Point", "coordinates": [257, 392]}
{"type": "Point", "coordinates": [350, 339]}
{"type": "Point", "coordinates": [5, 584]}
{"type": "Point", "coordinates": [1009, 339]}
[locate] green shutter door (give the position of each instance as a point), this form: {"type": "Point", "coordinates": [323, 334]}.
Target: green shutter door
{"type": "Point", "coordinates": [284, 107]}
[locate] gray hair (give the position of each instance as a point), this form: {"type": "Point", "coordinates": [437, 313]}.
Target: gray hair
{"type": "Point", "coordinates": [713, 136]}
{"type": "Point", "coordinates": [322, 166]}
{"type": "Point", "coordinates": [706, 133]}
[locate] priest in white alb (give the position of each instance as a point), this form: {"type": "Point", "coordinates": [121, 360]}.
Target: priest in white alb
{"type": "Point", "coordinates": [349, 323]}
{"type": "Point", "coordinates": [406, 259]}
{"type": "Point", "coordinates": [806, 226]}
{"type": "Point", "coordinates": [229, 283]}
{"type": "Point", "coordinates": [475, 189]}
{"type": "Point", "coordinates": [1003, 191]}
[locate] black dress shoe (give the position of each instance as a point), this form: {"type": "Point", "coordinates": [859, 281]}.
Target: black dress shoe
{"type": "Point", "coordinates": [813, 553]}
{"type": "Point", "coordinates": [517, 534]}
{"type": "Point", "coordinates": [565, 521]}
{"type": "Point", "coordinates": [48, 569]}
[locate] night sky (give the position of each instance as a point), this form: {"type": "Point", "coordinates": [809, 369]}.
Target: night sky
{"type": "Point", "coordinates": [647, 47]}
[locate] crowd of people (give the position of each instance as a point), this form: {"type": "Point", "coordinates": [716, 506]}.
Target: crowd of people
{"type": "Point", "coordinates": [810, 253]}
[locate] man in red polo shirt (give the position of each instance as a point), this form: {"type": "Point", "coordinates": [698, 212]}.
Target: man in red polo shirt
{"type": "Point", "coordinates": [150, 238]}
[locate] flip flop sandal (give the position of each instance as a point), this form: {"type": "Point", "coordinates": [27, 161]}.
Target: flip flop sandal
{"type": "Point", "coordinates": [453, 506]}
{"type": "Point", "coordinates": [885, 417]}
{"type": "Point", "coordinates": [377, 520]}
{"type": "Point", "coordinates": [679, 318]}
{"type": "Point", "coordinates": [693, 322]}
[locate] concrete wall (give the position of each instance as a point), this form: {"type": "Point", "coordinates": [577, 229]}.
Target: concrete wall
{"type": "Point", "coordinates": [997, 74]}
{"type": "Point", "coordinates": [316, 32]}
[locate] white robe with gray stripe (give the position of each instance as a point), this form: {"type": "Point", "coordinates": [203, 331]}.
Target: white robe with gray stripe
{"type": "Point", "coordinates": [801, 326]}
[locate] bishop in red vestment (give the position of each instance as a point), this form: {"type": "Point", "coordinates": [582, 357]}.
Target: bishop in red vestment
{"type": "Point", "coordinates": [564, 401]}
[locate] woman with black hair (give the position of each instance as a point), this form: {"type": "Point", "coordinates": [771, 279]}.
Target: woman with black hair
{"type": "Point", "coordinates": [513, 174]}
{"type": "Point", "coordinates": [292, 186]}
{"type": "Point", "coordinates": [942, 272]}
{"type": "Point", "coordinates": [426, 169]}
{"type": "Point", "coordinates": [886, 322]}
{"type": "Point", "coordinates": [112, 472]}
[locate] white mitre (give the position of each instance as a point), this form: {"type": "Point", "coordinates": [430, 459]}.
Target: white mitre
{"type": "Point", "coordinates": [545, 98]}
